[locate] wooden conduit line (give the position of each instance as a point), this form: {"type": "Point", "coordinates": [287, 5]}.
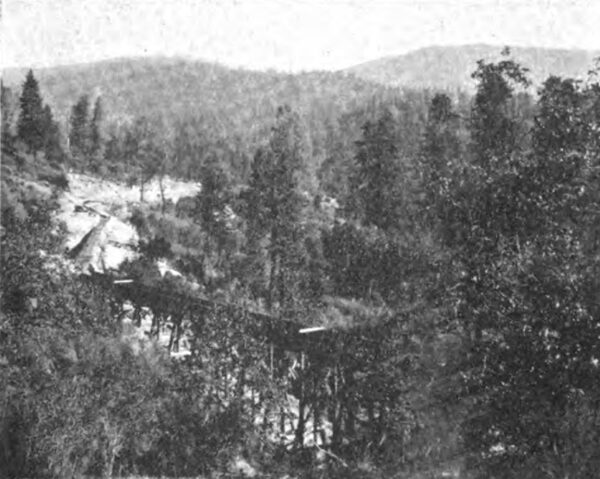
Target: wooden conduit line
{"type": "Point", "coordinates": [324, 352]}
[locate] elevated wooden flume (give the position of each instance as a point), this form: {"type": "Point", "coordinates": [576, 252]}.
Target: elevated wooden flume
{"type": "Point", "coordinates": [314, 356]}
{"type": "Point", "coordinates": [291, 330]}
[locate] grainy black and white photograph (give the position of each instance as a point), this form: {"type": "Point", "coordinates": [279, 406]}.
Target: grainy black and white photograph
{"type": "Point", "coordinates": [300, 239]}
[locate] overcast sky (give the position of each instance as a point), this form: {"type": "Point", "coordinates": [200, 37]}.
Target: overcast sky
{"type": "Point", "coordinates": [287, 35]}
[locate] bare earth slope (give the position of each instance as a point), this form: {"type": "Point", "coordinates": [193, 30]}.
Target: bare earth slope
{"type": "Point", "coordinates": [100, 211]}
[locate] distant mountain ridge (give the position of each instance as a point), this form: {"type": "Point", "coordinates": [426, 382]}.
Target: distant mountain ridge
{"type": "Point", "coordinates": [235, 108]}
{"type": "Point", "coordinates": [450, 67]}
{"type": "Point", "coordinates": [225, 100]}
{"type": "Point", "coordinates": [183, 87]}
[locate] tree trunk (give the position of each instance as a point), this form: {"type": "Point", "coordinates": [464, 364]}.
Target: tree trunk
{"type": "Point", "coordinates": [381, 421]}
{"type": "Point", "coordinates": [300, 428]}
{"type": "Point", "coordinates": [349, 404]}
{"type": "Point", "coordinates": [162, 192]}
{"type": "Point", "coordinates": [142, 183]}
{"type": "Point", "coordinates": [335, 412]}
{"type": "Point", "coordinates": [281, 285]}
{"type": "Point", "coordinates": [316, 411]}
{"type": "Point", "coordinates": [273, 259]}
{"type": "Point", "coordinates": [137, 316]}
{"type": "Point", "coordinates": [176, 320]}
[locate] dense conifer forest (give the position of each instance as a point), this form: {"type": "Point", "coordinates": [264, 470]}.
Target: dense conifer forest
{"type": "Point", "coordinates": [372, 282]}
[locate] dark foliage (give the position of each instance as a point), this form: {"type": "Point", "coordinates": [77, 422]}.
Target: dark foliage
{"type": "Point", "coordinates": [450, 302]}
{"type": "Point", "coordinates": [32, 120]}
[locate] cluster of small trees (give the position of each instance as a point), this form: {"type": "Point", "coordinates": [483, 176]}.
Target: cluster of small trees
{"type": "Point", "coordinates": [516, 214]}
{"type": "Point", "coordinates": [86, 140]}
{"type": "Point", "coordinates": [36, 127]}
{"type": "Point", "coordinates": [79, 397]}
{"type": "Point", "coordinates": [488, 235]}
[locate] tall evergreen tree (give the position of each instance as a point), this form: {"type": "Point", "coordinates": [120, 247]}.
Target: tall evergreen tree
{"type": "Point", "coordinates": [80, 134]}
{"type": "Point", "coordinates": [376, 177]}
{"type": "Point", "coordinates": [555, 130]}
{"type": "Point", "coordinates": [493, 128]}
{"type": "Point", "coordinates": [6, 112]}
{"type": "Point", "coordinates": [96, 139]}
{"type": "Point", "coordinates": [524, 272]}
{"type": "Point", "coordinates": [440, 150]}
{"type": "Point", "coordinates": [212, 199]}
{"type": "Point", "coordinates": [275, 202]}
{"type": "Point", "coordinates": [30, 128]}
{"type": "Point", "coordinates": [52, 144]}
{"type": "Point", "coordinates": [142, 152]}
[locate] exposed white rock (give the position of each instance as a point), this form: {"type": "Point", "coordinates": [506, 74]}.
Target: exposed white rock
{"type": "Point", "coordinates": [240, 466]}
{"type": "Point", "coordinates": [106, 246]}
{"type": "Point", "coordinates": [96, 213]}
{"type": "Point", "coordinates": [104, 191]}
{"type": "Point", "coordinates": [164, 268]}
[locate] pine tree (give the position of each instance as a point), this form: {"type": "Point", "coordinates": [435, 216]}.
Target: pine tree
{"type": "Point", "coordinates": [96, 139]}
{"type": "Point", "coordinates": [52, 144]}
{"type": "Point", "coordinates": [80, 134]}
{"type": "Point", "coordinates": [213, 198]}
{"type": "Point", "coordinates": [525, 265]}
{"type": "Point", "coordinates": [440, 149]}
{"type": "Point", "coordinates": [555, 130]}
{"type": "Point", "coordinates": [376, 178]}
{"type": "Point", "coordinates": [30, 128]}
{"type": "Point", "coordinates": [6, 113]}
{"type": "Point", "coordinates": [275, 203]}
{"type": "Point", "coordinates": [493, 128]}
{"type": "Point", "coordinates": [142, 152]}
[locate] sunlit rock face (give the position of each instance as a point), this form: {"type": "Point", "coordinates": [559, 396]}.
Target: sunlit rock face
{"type": "Point", "coordinates": [106, 246]}
{"type": "Point", "coordinates": [97, 213]}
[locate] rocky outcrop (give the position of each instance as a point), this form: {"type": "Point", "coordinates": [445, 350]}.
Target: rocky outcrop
{"type": "Point", "coordinates": [106, 246]}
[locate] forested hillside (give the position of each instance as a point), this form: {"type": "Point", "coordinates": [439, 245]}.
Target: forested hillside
{"type": "Point", "coordinates": [179, 88]}
{"type": "Point", "coordinates": [224, 104]}
{"type": "Point", "coordinates": [449, 68]}
{"type": "Point", "coordinates": [204, 110]}
{"type": "Point", "coordinates": [418, 300]}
